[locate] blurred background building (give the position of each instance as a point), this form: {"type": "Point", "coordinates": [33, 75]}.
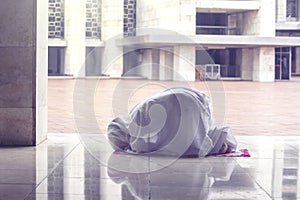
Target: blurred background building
{"type": "Point", "coordinates": [175, 40]}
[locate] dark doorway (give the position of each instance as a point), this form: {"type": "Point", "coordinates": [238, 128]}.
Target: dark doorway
{"type": "Point", "coordinates": [93, 61]}
{"type": "Point", "coordinates": [283, 63]}
{"type": "Point", "coordinates": [56, 61]}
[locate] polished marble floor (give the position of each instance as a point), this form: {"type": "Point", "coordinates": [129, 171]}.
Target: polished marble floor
{"type": "Point", "coordinates": [75, 167]}
{"type": "Point", "coordinates": [77, 163]}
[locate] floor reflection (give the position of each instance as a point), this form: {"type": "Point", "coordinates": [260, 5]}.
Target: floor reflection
{"type": "Point", "coordinates": [285, 173]}
{"type": "Point", "coordinates": [63, 168]}
{"type": "Point", "coordinates": [173, 182]}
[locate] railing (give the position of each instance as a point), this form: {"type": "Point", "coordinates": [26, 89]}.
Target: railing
{"type": "Point", "coordinates": [208, 72]}
{"type": "Point", "coordinates": [217, 30]}
{"type": "Point", "coordinates": [216, 71]}
{"type": "Point", "coordinates": [230, 71]}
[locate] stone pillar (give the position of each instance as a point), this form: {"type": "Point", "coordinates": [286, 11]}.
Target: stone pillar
{"type": "Point", "coordinates": [146, 66]}
{"type": "Point", "coordinates": [247, 64]}
{"type": "Point", "coordinates": [112, 29]}
{"type": "Point", "coordinates": [23, 72]}
{"type": "Point", "coordinates": [184, 63]}
{"type": "Point", "coordinates": [169, 64]}
{"type": "Point", "coordinates": [75, 38]}
{"type": "Point", "coordinates": [260, 23]}
{"type": "Point", "coordinates": [298, 60]}
{"type": "Point", "coordinates": [281, 10]}
{"type": "Point", "coordinates": [267, 18]}
{"type": "Point", "coordinates": [166, 64]}
{"type": "Point", "coordinates": [187, 17]}
{"type": "Point", "coordinates": [162, 66]}
{"type": "Point", "coordinates": [264, 64]}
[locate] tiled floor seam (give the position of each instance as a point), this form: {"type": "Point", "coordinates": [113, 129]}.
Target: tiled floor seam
{"type": "Point", "coordinates": [263, 189]}
{"type": "Point", "coordinates": [52, 170]}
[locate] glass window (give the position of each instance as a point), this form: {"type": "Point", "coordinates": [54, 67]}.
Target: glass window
{"type": "Point", "coordinates": [129, 18]}
{"type": "Point", "coordinates": [93, 14]}
{"type": "Point", "coordinates": [56, 24]}
{"type": "Point", "coordinates": [291, 9]}
{"type": "Point", "coordinates": [212, 23]}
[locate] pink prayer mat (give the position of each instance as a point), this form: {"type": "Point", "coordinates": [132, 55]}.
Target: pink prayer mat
{"type": "Point", "coordinates": [239, 153]}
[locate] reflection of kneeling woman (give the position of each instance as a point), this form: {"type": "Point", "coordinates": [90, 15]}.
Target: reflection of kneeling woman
{"type": "Point", "coordinates": [177, 121]}
{"type": "Point", "coordinates": [171, 182]}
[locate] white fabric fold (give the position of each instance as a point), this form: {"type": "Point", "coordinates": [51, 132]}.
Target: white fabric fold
{"type": "Point", "coordinates": [177, 121]}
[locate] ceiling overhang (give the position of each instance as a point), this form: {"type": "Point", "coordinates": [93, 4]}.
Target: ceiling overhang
{"type": "Point", "coordinates": [217, 41]}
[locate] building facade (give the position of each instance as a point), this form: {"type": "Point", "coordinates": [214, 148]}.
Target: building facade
{"type": "Point", "coordinates": [189, 40]}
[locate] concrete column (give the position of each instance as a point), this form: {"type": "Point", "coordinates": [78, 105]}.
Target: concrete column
{"type": "Point", "coordinates": [262, 22]}
{"type": "Point", "coordinates": [169, 64]}
{"type": "Point", "coordinates": [162, 66]}
{"type": "Point", "coordinates": [112, 29]}
{"type": "Point", "coordinates": [267, 18]}
{"type": "Point", "coordinates": [265, 70]}
{"type": "Point", "coordinates": [23, 72]}
{"type": "Point", "coordinates": [281, 10]}
{"type": "Point", "coordinates": [155, 64]}
{"type": "Point", "coordinates": [41, 68]}
{"type": "Point", "coordinates": [166, 64]}
{"type": "Point", "coordinates": [247, 64]}
{"type": "Point", "coordinates": [263, 64]}
{"type": "Point", "coordinates": [297, 60]}
{"type": "Point", "coordinates": [184, 63]}
{"type": "Point", "coordinates": [146, 65]}
{"type": "Point", "coordinates": [75, 38]}
{"type": "Point", "coordinates": [187, 17]}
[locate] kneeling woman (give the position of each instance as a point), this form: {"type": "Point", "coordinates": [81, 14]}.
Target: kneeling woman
{"type": "Point", "coordinates": [177, 122]}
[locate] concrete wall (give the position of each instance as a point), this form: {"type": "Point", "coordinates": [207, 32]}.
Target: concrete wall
{"type": "Point", "coordinates": [166, 71]}
{"type": "Point", "coordinates": [281, 11]}
{"type": "Point", "coordinates": [145, 68]}
{"type": "Point", "coordinates": [111, 29]}
{"type": "Point", "coordinates": [75, 37]}
{"type": "Point", "coordinates": [41, 68]}
{"type": "Point", "coordinates": [247, 64]}
{"type": "Point", "coordinates": [267, 18]}
{"type": "Point", "coordinates": [170, 17]}
{"type": "Point", "coordinates": [262, 22]}
{"type": "Point", "coordinates": [264, 64]}
{"type": "Point", "coordinates": [23, 72]}
{"type": "Point", "coordinates": [166, 64]}
{"type": "Point", "coordinates": [184, 63]}
{"type": "Point", "coordinates": [297, 60]}
{"type": "Point", "coordinates": [157, 14]}
{"type": "Point", "coordinates": [258, 64]}
{"type": "Point", "coordinates": [259, 23]}
{"type": "Point", "coordinates": [177, 16]}
{"type": "Point", "coordinates": [187, 17]}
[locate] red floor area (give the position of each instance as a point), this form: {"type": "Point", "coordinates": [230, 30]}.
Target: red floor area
{"type": "Point", "coordinates": [249, 108]}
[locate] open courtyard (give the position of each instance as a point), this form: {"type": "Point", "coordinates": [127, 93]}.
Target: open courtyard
{"type": "Point", "coordinates": [249, 108]}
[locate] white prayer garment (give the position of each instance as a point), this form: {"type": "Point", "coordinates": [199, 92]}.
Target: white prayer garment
{"type": "Point", "coordinates": [177, 121]}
